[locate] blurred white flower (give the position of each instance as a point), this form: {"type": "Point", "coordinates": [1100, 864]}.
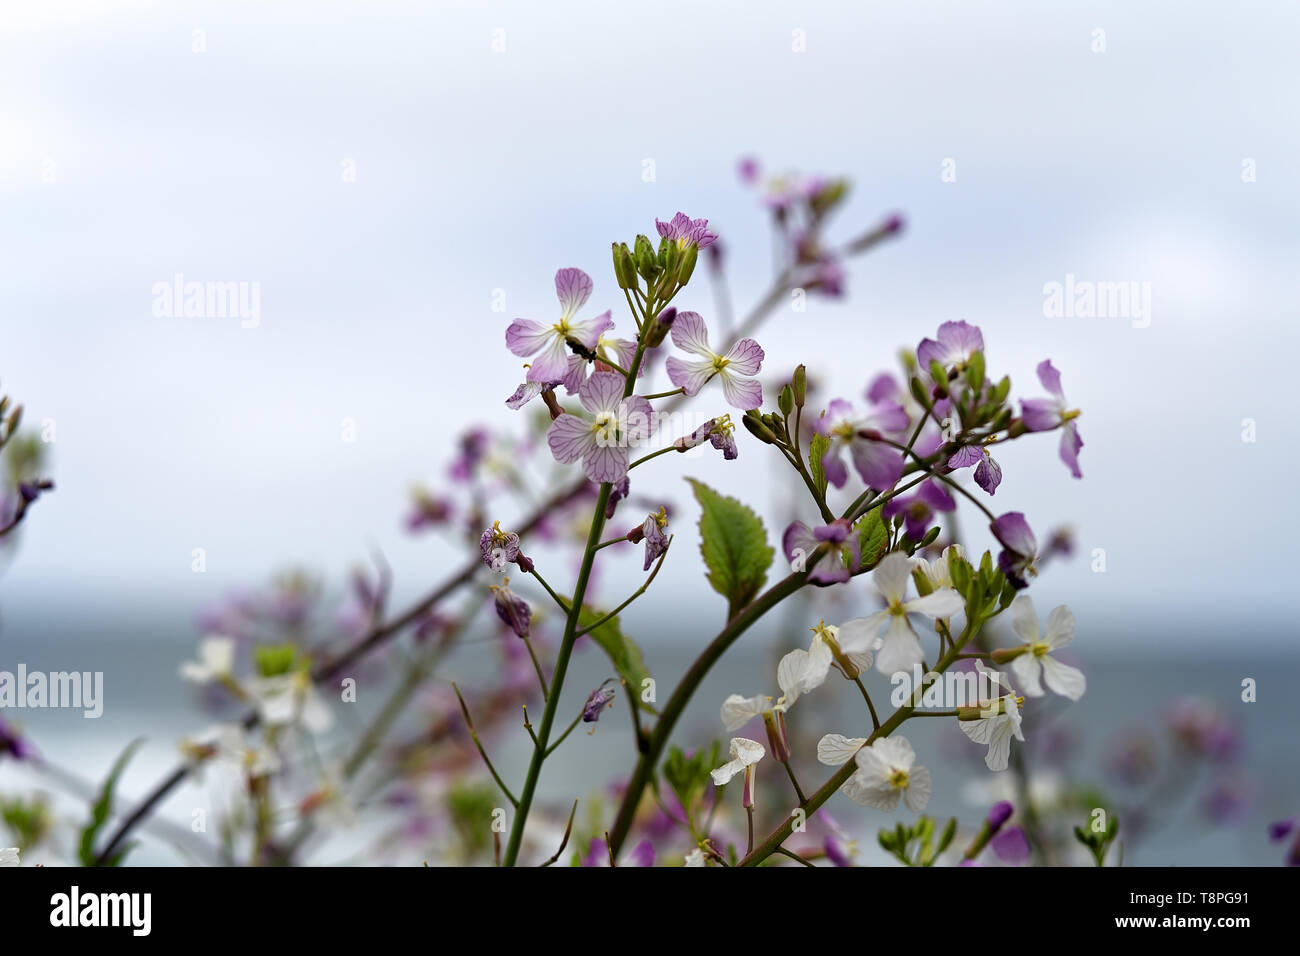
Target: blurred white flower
{"type": "Point", "coordinates": [997, 729]}
{"type": "Point", "coordinates": [216, 661]}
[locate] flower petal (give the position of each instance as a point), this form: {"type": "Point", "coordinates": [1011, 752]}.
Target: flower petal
{"type": "Point", "coordinates": [835, 750]}
{"type": "Point", "coordinates": [741, 393]}
{"type": "Point", "coordinates": [689, 376]}
{"type": "Point", "coordinates": [690, 334]}
{"type": "Point", "coordinates": [524, 337]}
{"type": "Point", "coordinates": [569, 438]}
{"type": "Point", "coordinates": [573, 289]}
{"type": "Point", "coordinates": [745, 357]}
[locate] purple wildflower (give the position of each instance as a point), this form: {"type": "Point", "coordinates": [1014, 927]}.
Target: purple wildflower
{"type": "Point", "coordinates": [952, 347]}
{"type": "Point", "coordinates": [620, 491]}
{"type": "Point", "coordinates": [920, 510]}
{"type": "Point", "coordinates": [597, 701]}
{"type": "Point", "coordinates": [1044, 414]}
{"type": "Point", "coordinates": [684, 230]}
{"type": "Point", "coordinates": [735, 369]}
{"type": "Point", "coordinates": [653, 529]}
{"type": "Point", "coordinates": [500, 548]}
{"type": "Point", "coordinates": [1020, 547]}
{"type": "Point", "coordinates": [548, 344]}
{"type": "Point", "coordinates": [800, 541]}
{"type": "Point", "coordinates": [1277, 832]}
{"type": "Point", "coordinates": [748, 170]}
{"type": "Point", "coordinates": [878, 464]}
{"type": "Point", "coordinates": [427, 511]}
{"type": "Point", "coordinates": [988, 473]}
{"type": "Point", "coordinates": [602, 442]}
{"type": "Point", "coordinates": [718, 432]}
{"type": "Point", "coordinates": [473, 449]}
{"type": "Point", "coordinates": [1011, 845]}
{"type": "Point", "coordinates": [512, 609]}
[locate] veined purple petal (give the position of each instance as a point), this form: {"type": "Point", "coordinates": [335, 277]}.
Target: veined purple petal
{"type": "Point", "coordinates": [691, 334]}
{"type": "Point", "coordinates": [877, 464]}
{"type": "Point", "coordinates": [741, 393]}
{"type": "Point", "coordinates": [605, 463]}
{"type": "Point", "coordinates": [745, 357]}
{"type": "Point", "coordinates": [569, 438]}
{"type": "Point", "coordinates": [524, 337]}
{"type": "Point", "coordinates": [524, 394]}
{"type": "Point", "coordinates": [639, 419]}
{"type": "Point", "coordinates": [551, 364]}
{"type": "Point", "coordinates": [988, 474]}
{"type": "Point", "coordinates": [1070, 445]}
{"type": "Point", "coordinates": [962, 337]}
{"type": "Point", "coordinates": [589, 331]}
{"type": "Point", "coordinates": [690, 376]}
{"type": "Point", "coordinates": [602, 392]}
{"type": "Point", "coordinates": [966, 456]}
{"type": "Point", "coordinates": [1050, 379]}
{"type": "Point", "coordinates": [837, 531]}
{"type": "Point", "coordinates": [573, 289]}
{"type": "Point", "coordinates": [576, 376]}
{"type": "Point", "coordinates": [1040, 414]}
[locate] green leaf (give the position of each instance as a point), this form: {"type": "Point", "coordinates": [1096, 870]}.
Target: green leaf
{"type": "Point", "coordinates": [623, 653]}
{"type": "Point", "coordinates": [99, 811]}
{"type": "Point", "coordinates": [689, 776]}
{"type": "Point", "coordinates": [873, 539]}
{"type": "Point", "coordinates": [734, 544]}
{"type": "Point", "coordinates": [817, 450]}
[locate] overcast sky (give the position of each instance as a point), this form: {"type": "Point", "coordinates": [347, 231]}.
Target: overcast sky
{"type": "Point", "coordinates": [127, 157]}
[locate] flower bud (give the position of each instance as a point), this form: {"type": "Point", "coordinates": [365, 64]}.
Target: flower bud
{"type": "Point", "coordinates": [687, 265]}
{"type": "Point", "coordinates": [597, 701]}
{"type": "Point", "coordinates": [776, 738]}
{"type": "Point", "coordinates": [799, 383]}
{"type": "Point", "coordinates": [661, 327]}
{"type": "Point", "coordinates": [754, 425]}
{"type": "Point", "coordinates": [785, 400]}
{"type": "Point", "coordinates": [624, 267]}
{"type": "Point", "coordinates": [645, 257]}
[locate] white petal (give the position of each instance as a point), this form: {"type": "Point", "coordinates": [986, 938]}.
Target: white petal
{"type": "Point", "coordinates": [790, 677]}
{"type": "Point", "coordinates": [891, 575]}
{"type": "Point", "coordinates": [1063, 679]}
{"type": "Point", "coordinates": [1024, 620]}
{"type": "Point", "coordinates": [1026, 668]}
{"type": "Point", "coordinates": [836, 749]}
{"type": "Point", "coordinates": [918, 789]}
{"type": "Point", "coordinates": [1060, 627]}
{"type": "Point", "coordinates": [858, 634]}
{"type": "Point", "coordinates": [900, 648]}
{"type": "Point", "coordinates": [895, 752]}
{"type": "Point", "coordinates": [738, 711]}
{"type": "Point", "coordinates": [943, 603]}
{"type": "Point", "coordinates": [9, 857]}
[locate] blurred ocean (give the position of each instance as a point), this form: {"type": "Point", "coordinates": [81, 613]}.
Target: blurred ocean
{"type": "Point", "coordinates": [145, 698]}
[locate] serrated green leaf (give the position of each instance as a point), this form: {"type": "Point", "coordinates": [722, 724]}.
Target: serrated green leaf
{"type": "Point", "coordinates": [622, 651]}
{"type": "Point", "coordinates": [817, 450]}
{"type": "Point", "coordinates": [734, 545]}
{"type": "Point", "coordinates": [873, 540]}
{"type": "Point", "coordinates": [100, 809]}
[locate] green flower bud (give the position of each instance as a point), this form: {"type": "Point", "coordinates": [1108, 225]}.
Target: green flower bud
{"type": "Point", "coordinates": [645, 258]}
{"type": "Point", "coordinates": [686, 266]}
{"type": "Point", "coordinates": [785, 400]}
{"type": "Point", "coordinates": [799, 383]}
{"type": "Point", "coordinates": [754, 425]}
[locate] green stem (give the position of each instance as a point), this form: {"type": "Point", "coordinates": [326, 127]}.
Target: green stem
{"type": "Point", "coordinates": [564, 736]}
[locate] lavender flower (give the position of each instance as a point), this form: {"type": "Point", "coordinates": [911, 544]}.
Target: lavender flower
{"type": "Point", "coordinates": [512, 609]}
{"type": "Point", "coordinates": [473, 449]}
{"type": "Point", "coordinates": [999, 814]}
{"type": "Point", "coordinates": [597, 701]}
{"type": "Point", "coordinates": [602, 442]}
{"type": "Point", "coordinates": [718, 432]}
{"type": "Point", "coordinates": [952, 347]}
{"type": "Point", "coordinates": [620, 491]}
{"type": "Point", "coordinates": [988, 473]}
{"type": "Point", "coordinates": [548, 344]}
{"type": "Point", "coordinates": [653, 530]}
{"type": "Point", "coordinates": [920, 509]}
{"type": "Point", "coordinates": [878, 464]}
{"type": "Point", "coordinates": [500, 548]}
{"type": "Point", "coordinates": [800, 541]}
{"type": "Point", "coordinates": [1044, 414]}
{"type": "Point", "coordinates": [1020, 547]}
{"type": "Point", "coordinates": [735, 369]}
{"type": "Point", "coordinates": [684, 230]}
